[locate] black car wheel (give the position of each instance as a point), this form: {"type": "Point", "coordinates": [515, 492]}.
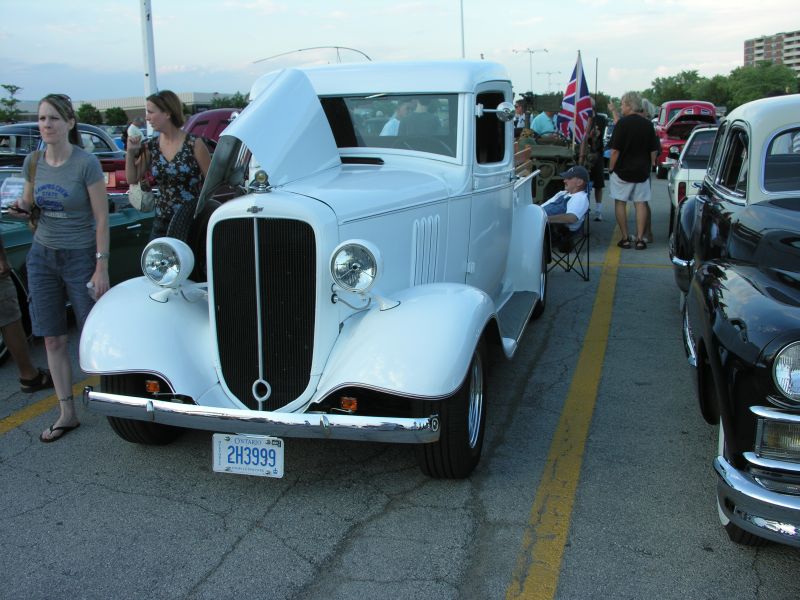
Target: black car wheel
{"type": "Point", "coordinates": [462, 420]}
{"type": "Point", "coordinates": [131, 430]}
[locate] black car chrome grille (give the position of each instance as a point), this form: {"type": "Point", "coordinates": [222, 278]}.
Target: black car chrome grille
{"type": "Point", "coordinates": [264, 271]}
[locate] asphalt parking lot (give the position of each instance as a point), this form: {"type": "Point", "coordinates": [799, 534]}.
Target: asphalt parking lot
{"type": "Point", "coordinates": [596, 482]}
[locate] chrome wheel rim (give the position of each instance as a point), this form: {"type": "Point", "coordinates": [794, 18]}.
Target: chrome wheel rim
{"type": "Point", "coordinates": [475, 408]}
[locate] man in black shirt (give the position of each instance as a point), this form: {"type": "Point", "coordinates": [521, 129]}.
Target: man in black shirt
{"type": "Point", "coordinates": [634, 147]}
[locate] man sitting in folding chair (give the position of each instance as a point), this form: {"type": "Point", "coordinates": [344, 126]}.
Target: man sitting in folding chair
{"type": "Point", "coordinates": [569, 227]}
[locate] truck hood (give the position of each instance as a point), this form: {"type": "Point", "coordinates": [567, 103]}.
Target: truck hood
{"type": "Point", "coordinates": [286, 131]}
{"type": "Point", "coordinates": [681, 125]}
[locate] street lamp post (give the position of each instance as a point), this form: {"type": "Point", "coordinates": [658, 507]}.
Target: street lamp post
{"type": "Point", "coordinates": [530, 61]}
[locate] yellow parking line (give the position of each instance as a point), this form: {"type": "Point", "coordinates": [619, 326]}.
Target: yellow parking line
{"type": "Point", "coordinates": [32, 411]}
{"type": "Point", "coordinates": [538, 563]}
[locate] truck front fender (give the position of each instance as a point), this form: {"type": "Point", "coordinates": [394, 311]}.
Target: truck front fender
{"type": "Point", "coordinates": [422, 347]}
{"type": "Point", "coordinates": [130, 332]}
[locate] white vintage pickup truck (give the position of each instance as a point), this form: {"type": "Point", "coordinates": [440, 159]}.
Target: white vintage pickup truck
{"type": "Point", "coordinates": [373, 246]}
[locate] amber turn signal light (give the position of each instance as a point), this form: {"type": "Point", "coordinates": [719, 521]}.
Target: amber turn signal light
{"type": "Point", "coordinates": [348, 403]}
{"type": "Point", "coordinates": [152, 386]}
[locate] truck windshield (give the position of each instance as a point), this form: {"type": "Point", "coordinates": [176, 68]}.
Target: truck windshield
{"type": "Point", "coordinates": [422, 122]}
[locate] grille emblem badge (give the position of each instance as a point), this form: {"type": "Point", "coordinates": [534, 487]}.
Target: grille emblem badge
{"type": "Point", "coordinates": [255, 209]}
{"type": "Point", "coordinates": [261, 392]}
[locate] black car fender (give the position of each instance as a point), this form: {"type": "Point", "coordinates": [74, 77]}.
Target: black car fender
{"type": "Point", "coordinates": [681, 248]}
{"type": "Point", "coordinates": [740, 321]}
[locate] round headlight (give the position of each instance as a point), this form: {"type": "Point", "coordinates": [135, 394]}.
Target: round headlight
{"type": "Point", "coordinates": [355, 265]}
{"type": "Point", "coordinates": [786, 371]}
{"type": "Point", "coordinates": [167, 262]}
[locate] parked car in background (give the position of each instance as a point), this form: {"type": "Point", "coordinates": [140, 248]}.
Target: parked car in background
{"type": "Point", "coordinates": [129, 228]}
{"type": "Point", "coordinates": [676, 120]}
{"type": "Point", "coordinates": [20, 139]}
{"type": "Point", "coordinates": [689, 169]}
{"type": "Point", "coordinates": [736, 257]}
{"type": "Point", "coordinates": [354, 285]}
{"type": "Point", "coordinates": [210, 124]}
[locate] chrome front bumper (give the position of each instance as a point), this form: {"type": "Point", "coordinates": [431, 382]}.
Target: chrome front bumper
{"type": "Point", "coordinates": [771, 515]}
{"type": "Point", "coordinates": [397, 430]}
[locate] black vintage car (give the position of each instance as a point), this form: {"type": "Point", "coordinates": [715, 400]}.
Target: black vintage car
{"type": "Point", "coordinates": [736, 254]}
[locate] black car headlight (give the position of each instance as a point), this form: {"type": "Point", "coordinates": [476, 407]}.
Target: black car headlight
{"type": "Point", "coordinates": [786, 371]}
{"type": "Point", "coordinates": [167, 262]}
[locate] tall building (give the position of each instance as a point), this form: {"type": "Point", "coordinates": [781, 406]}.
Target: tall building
{"type": "Point", "coordinates": [782, 48]}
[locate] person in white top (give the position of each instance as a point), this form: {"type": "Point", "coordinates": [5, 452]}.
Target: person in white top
{"type": "Point", "coordinates": [567, 210]}
{"type": "Point", "coordinates": [392, 126]}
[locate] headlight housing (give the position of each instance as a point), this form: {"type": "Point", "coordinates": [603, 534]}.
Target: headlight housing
{"type": "Point", "coordinates": [356, 266]}
{"type": "Point", "coordinates": [786, 371]}
{"type": "Point", "coordinates": [167, 262]}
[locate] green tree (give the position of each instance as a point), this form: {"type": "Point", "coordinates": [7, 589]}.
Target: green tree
{"type": "Point", "coordinates": [87, 113]}
{"type": "Point", "coordinates": [9, 110]}
{"type": "Point", "coordinates": [764, 79]}
{"type": "Point", "coordinates": [116, 116]}
{"type": "Point", "coordinates": [716, 90]}
{"type": "Point", "coordinates": [675, 87]}
{"type": "Point", "coordinates": [236, 101]}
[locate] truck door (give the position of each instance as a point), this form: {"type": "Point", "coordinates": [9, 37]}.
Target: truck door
{"type": "Point", "coordinates": [492, 194]}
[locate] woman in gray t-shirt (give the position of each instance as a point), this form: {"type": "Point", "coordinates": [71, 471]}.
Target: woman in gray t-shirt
{"type": "Point", "coordinates": [70, 246]}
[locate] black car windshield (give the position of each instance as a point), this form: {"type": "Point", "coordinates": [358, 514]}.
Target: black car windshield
{"type": "Point", "coordinates": [422, 122]}
{"type": "Point", "coordinates": [782, 164]}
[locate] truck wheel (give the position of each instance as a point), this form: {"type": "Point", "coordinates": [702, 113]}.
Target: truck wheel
{"type": "Point", "coordinates": [131, 430]}
{"type": "Point", "coordinates": [735, 533]}
{"type": "Point", "coordinates": [542, 303]}
{"type": "Point", "coordinates": [22, 299]}
{"type": "Point", "coordinates": [462, 419]}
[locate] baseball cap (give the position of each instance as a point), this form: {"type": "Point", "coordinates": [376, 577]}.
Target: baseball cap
{"type": "Point", "coordinates": [576, 171]}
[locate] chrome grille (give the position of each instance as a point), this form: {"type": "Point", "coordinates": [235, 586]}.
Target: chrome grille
{"type": "Point", "coordinates": [264, 284]}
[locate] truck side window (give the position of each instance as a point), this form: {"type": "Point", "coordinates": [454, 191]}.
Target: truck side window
{"type": "Point", "coordinates": [490, 132]}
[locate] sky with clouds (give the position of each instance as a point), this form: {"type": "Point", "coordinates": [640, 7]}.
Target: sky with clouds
{"type": "Point", "coordinates": [92, 49]}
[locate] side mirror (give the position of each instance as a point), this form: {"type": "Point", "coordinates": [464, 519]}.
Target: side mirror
{"type": "Point", "coordinates": [504, 111]}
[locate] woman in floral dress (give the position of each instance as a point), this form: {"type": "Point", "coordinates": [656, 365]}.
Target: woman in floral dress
{"type": "Point", "coordinates": [178, 161]}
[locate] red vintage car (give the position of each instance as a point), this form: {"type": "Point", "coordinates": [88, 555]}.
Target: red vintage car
{"type": "Point", "coordinates": [676, 120]}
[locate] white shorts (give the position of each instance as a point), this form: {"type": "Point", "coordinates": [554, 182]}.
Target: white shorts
{"type": "Point", "coordinates": [629, 192]}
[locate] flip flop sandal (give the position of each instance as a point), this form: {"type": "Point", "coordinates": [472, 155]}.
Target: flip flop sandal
{"type": "Point", "coordinates": [64, 431]}
{"type": "Point", "coordinates": [624, 244]}
{"type": "Point", "coordinates": [640, 245]}
{"type": "Point", "coordinates": [40, 382]}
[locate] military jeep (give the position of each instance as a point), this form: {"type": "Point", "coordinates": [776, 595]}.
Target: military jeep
{"type": "Point", "coordinates": [550, 157]}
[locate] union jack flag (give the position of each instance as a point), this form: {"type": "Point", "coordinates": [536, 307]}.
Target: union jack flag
{"type": "Point", "coordinates": [575, 111]}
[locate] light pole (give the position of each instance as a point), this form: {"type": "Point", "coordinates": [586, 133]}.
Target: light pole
{"type": "Point", "coordinates": [548, 73]}
{"type": "Point", "coordinates": [530, 60]}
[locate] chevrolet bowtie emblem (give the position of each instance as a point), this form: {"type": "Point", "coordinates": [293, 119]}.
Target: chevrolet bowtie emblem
{"type": "Point", "coordinates": [254, 209]}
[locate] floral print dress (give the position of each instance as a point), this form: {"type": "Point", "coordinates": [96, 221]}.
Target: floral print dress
{"type": "Point", "coordinates": [178, 180]}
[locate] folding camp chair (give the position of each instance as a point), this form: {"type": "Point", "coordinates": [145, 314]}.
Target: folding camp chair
{"type": "Point", "coordinates": [572, 253]}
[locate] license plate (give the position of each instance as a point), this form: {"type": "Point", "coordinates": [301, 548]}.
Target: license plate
{"type": "Point", "coordinates": [258, 455]}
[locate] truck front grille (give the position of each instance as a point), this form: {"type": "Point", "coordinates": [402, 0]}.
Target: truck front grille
{"type": "Point", "coordinates": [264, 285]}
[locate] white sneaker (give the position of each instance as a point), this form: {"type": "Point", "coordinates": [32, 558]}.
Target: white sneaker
{"type": "Point", "coordinates": [598, 216]}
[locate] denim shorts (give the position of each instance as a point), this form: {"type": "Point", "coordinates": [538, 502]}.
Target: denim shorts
{"type": "Point", "coordinates": [55, 276]}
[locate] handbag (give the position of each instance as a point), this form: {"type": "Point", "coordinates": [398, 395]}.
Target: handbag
{"type": "Point", "coordinates": [140, 194]}
{"type": "Point", "coordinates": [36, 212]}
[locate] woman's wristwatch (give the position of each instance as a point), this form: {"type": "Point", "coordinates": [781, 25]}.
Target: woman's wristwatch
{"type": "Point", "coordinates": [101, 255]}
